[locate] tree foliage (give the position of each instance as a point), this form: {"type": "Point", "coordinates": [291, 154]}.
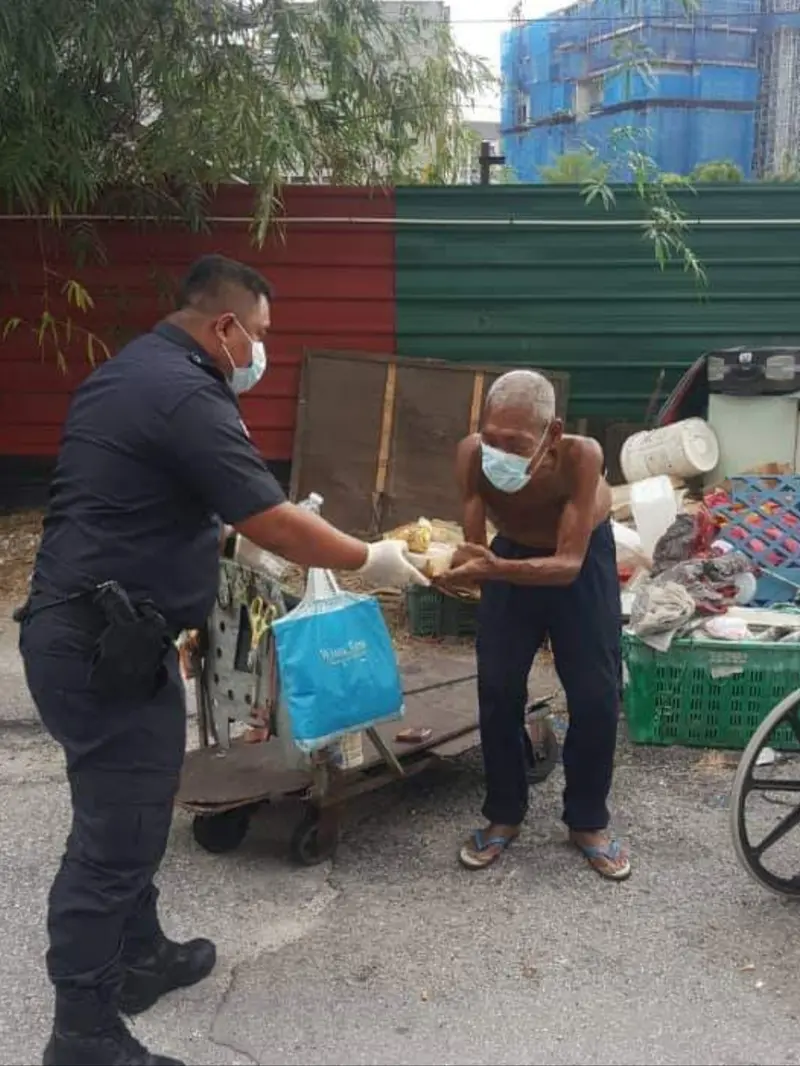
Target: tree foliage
{"type": "Point", "coordinates": [664, 224]}
{"type": "Point", "coordinates": [139, 107]}
{"type": "Point", "coordinates": [717, 171]}
{"type": "Point", "coordinates": [162, 98]}
{"type": "Point", "coordinates": [575, 168]}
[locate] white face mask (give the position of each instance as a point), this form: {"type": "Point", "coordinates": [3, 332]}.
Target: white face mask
{"type": "Point", "coordinates": [244, 378]}
{"type": "Point", "coordinates": [511, 473]}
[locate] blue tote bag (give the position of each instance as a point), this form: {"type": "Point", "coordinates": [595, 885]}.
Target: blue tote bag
{"type": "Point", "coordinates": [336, 664]}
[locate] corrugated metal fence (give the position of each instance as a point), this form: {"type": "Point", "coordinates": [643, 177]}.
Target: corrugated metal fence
{"type": "Point", "coordinates": [531, 275]}
{"type": "Point", "coordinates": [333, 281]}
{"type": "Point", "coordinates": [507, 274]}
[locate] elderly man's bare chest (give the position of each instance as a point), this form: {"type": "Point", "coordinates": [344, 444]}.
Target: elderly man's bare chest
{"type": "Point", "coordinates": [532, 515]}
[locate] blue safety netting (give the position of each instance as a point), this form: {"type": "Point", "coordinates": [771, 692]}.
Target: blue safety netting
{"type": "Point", "coordinates": [688, 85]}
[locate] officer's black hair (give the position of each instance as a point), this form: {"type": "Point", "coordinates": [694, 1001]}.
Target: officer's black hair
{"type": "Point", "coordinates": [213, 277]}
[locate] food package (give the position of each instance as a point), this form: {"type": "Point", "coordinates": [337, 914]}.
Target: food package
{"type": "Point", "coordinates": [420, 537]}
{"type": "Point", "coordinates": [434, 531]}
{"type": "Point", "coordinates": [432, 544]}
{"type": "Point", "coordinates": [435, 561]}
{"type": "Point", "coordinates": [417, 536]}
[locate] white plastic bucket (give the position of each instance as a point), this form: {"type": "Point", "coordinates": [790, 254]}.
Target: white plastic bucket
{"type": "Point", "coordinates": [684, 449]}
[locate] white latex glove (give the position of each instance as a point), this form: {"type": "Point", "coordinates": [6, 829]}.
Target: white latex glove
{"type": "Point", "coordinates": [388, 566]}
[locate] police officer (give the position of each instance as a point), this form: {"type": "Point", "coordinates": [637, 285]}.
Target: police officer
{"type": "Point", "coordinates": [153, 460]}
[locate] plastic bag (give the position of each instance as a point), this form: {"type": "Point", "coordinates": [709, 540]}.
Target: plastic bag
{"type": "Point", "coordinates": [630, 552]}
{"type": "Point", "coordinates": [723, 627]}
{"type": "Point", "coordinates": [337, 667]}
{"type": "Point", "coordinates": [689, 537]}
{"type": "Point", "coordinates": [435, 561]}
{"type": "Point", "coordinates": [713, 582]}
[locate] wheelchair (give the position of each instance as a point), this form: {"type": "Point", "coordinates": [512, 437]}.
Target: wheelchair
{"type": "Point", "coordinates": [765, 801]}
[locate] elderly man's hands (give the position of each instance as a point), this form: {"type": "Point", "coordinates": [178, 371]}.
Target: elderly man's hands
{"type": "Point", "coordinates": [471, 564]}
{"type": "Point", "coordinates": [465, 553]}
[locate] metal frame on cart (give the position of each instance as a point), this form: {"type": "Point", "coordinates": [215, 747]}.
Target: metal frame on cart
{"type": "Point", "coordinates": [263, 775]}
{"type": "Point", "coordinates": [770, 770]}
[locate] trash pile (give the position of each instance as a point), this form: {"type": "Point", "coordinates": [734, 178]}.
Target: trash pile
{"type": "Point", "coordinates": [694, 578]}
{"type": "Point", "coordinates": [695, 565]}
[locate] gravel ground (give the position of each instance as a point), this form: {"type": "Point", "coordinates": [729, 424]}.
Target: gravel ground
{"type": "Point", "coordinates": [394, 955]}
{"type": "Point", "coordinates": [19, 539]}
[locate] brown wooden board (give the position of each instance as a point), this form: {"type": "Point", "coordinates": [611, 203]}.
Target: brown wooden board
{"type": "Point", "coordinates": [251, 772]}
{"type": "Point", "coordinates": [346, 414]}
{"type": "Point", "coordinates": [244, 772]}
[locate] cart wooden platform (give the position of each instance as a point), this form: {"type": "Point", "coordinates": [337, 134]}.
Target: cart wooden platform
{"type": "Point", "coordinates": [223, 788]}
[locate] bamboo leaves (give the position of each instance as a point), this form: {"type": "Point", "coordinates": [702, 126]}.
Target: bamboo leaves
{"type": "Point", "coordinates": [101, 95]}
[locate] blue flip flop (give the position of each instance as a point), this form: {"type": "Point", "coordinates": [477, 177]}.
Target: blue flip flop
{"type": "Point", "coordinates": [610, 852]}
{"type": "Point", "coordinates": [475, 854]}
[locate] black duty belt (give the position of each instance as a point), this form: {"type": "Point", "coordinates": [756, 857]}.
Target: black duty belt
{"type": "Point", "coordinates": [132, 641]}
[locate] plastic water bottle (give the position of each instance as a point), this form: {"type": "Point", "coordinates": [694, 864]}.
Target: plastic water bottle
{"type": "Point", "coordinates": [313, 502]}
{"type": "Point", "coordinates": [275, 566]}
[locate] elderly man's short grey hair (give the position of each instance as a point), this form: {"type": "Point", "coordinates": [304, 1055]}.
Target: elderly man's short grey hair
{"type": "Point", "coordinates": [524, 388]}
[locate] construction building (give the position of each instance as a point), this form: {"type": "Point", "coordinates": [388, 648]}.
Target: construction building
{"type": "Point", "coordinates": [682, 86]}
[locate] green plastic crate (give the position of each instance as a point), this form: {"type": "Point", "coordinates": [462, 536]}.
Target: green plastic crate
{"type": "Point", "coordinates": [432, 614]}
{"type": "Point", "coordinates": [707, 695]}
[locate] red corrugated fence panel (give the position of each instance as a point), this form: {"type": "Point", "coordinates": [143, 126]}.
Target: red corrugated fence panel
{"type": "Point", "coordinates": [333, 281]}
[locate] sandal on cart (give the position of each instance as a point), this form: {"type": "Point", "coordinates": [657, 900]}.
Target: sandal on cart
{"type": "Point", "coordinates": [480, 851]}
{"type": "Point", "coordinates": [609, 860]}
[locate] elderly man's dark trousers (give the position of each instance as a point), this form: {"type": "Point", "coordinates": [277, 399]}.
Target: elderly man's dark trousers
{"type": "Point", "coordinates": [123, 765]}
{"type": "Point", "coordinates": [582, 621]}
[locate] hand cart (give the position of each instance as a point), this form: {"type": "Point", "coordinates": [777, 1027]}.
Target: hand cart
{"type": "Point", "coordinates": [765, 801]}
{"type": "Point", "coordinates": [225, 780]}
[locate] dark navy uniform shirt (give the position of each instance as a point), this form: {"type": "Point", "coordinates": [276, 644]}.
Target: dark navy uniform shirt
{"type": "Point", "coordinates": [154, 453]}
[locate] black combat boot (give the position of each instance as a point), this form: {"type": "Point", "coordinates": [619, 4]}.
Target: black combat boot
{"type": "Point", "coordinates": [166, 967]}
{"type": "Point", "coordinates": [89, 1032]}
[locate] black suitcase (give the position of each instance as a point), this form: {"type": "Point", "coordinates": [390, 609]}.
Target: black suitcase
{"type": "Point", "coordinates": [753, 371]}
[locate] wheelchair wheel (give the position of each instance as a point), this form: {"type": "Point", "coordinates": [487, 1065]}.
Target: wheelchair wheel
{"type": "Point", "coordinates": [765, 801]}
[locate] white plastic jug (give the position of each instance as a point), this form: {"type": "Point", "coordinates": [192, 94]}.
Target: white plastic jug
{"type": "Point", "coordinates": [654, 509]}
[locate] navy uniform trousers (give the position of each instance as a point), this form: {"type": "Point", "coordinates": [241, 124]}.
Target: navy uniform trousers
{"type": "Point", "coordinates": [583, 623]}
{"type": "Point", "coordinates": [123, 766]}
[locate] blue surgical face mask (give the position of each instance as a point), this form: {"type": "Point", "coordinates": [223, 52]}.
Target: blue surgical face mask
{"type": "Point", "coordinates": [508, 472]}
{"type": "Point", "coordinates": [244, 378]}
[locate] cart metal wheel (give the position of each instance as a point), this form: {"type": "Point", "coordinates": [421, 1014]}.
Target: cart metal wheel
{"type": "Point", "coordinates": [544, 744]}
{"type": "Point", "coordinates": [220, 833]}
{"type": "Point", "coordinates": [316, 837]}
{"type": "Point", "coordinates": [773, 778]}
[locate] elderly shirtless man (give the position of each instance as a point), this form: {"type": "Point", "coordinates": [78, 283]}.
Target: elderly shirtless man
{"type": "Point", "coordinates": [551, 571]}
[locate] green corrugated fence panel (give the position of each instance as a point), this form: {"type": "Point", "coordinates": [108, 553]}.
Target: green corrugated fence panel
{"type": "Point", "coordinates": [581, 293]}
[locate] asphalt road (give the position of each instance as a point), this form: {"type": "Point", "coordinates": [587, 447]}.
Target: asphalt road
{"type": "Point", "coordinates": [394, 955]}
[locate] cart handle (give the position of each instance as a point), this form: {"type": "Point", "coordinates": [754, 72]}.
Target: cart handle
{"type": "Point", "coordinates": [542, 701]}
{"type": "Point", "coordinates": [440, 684]}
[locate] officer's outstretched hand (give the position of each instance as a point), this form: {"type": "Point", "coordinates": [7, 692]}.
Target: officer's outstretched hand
{"type": "Point", "coordinates": [388, 565]}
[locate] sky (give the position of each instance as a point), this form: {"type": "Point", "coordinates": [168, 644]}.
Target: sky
{"type": "Point", "coordinates": [479, 32]}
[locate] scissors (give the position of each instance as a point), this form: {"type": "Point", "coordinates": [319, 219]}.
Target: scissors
{"type": "Point", "coordinates": [261, 616]}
